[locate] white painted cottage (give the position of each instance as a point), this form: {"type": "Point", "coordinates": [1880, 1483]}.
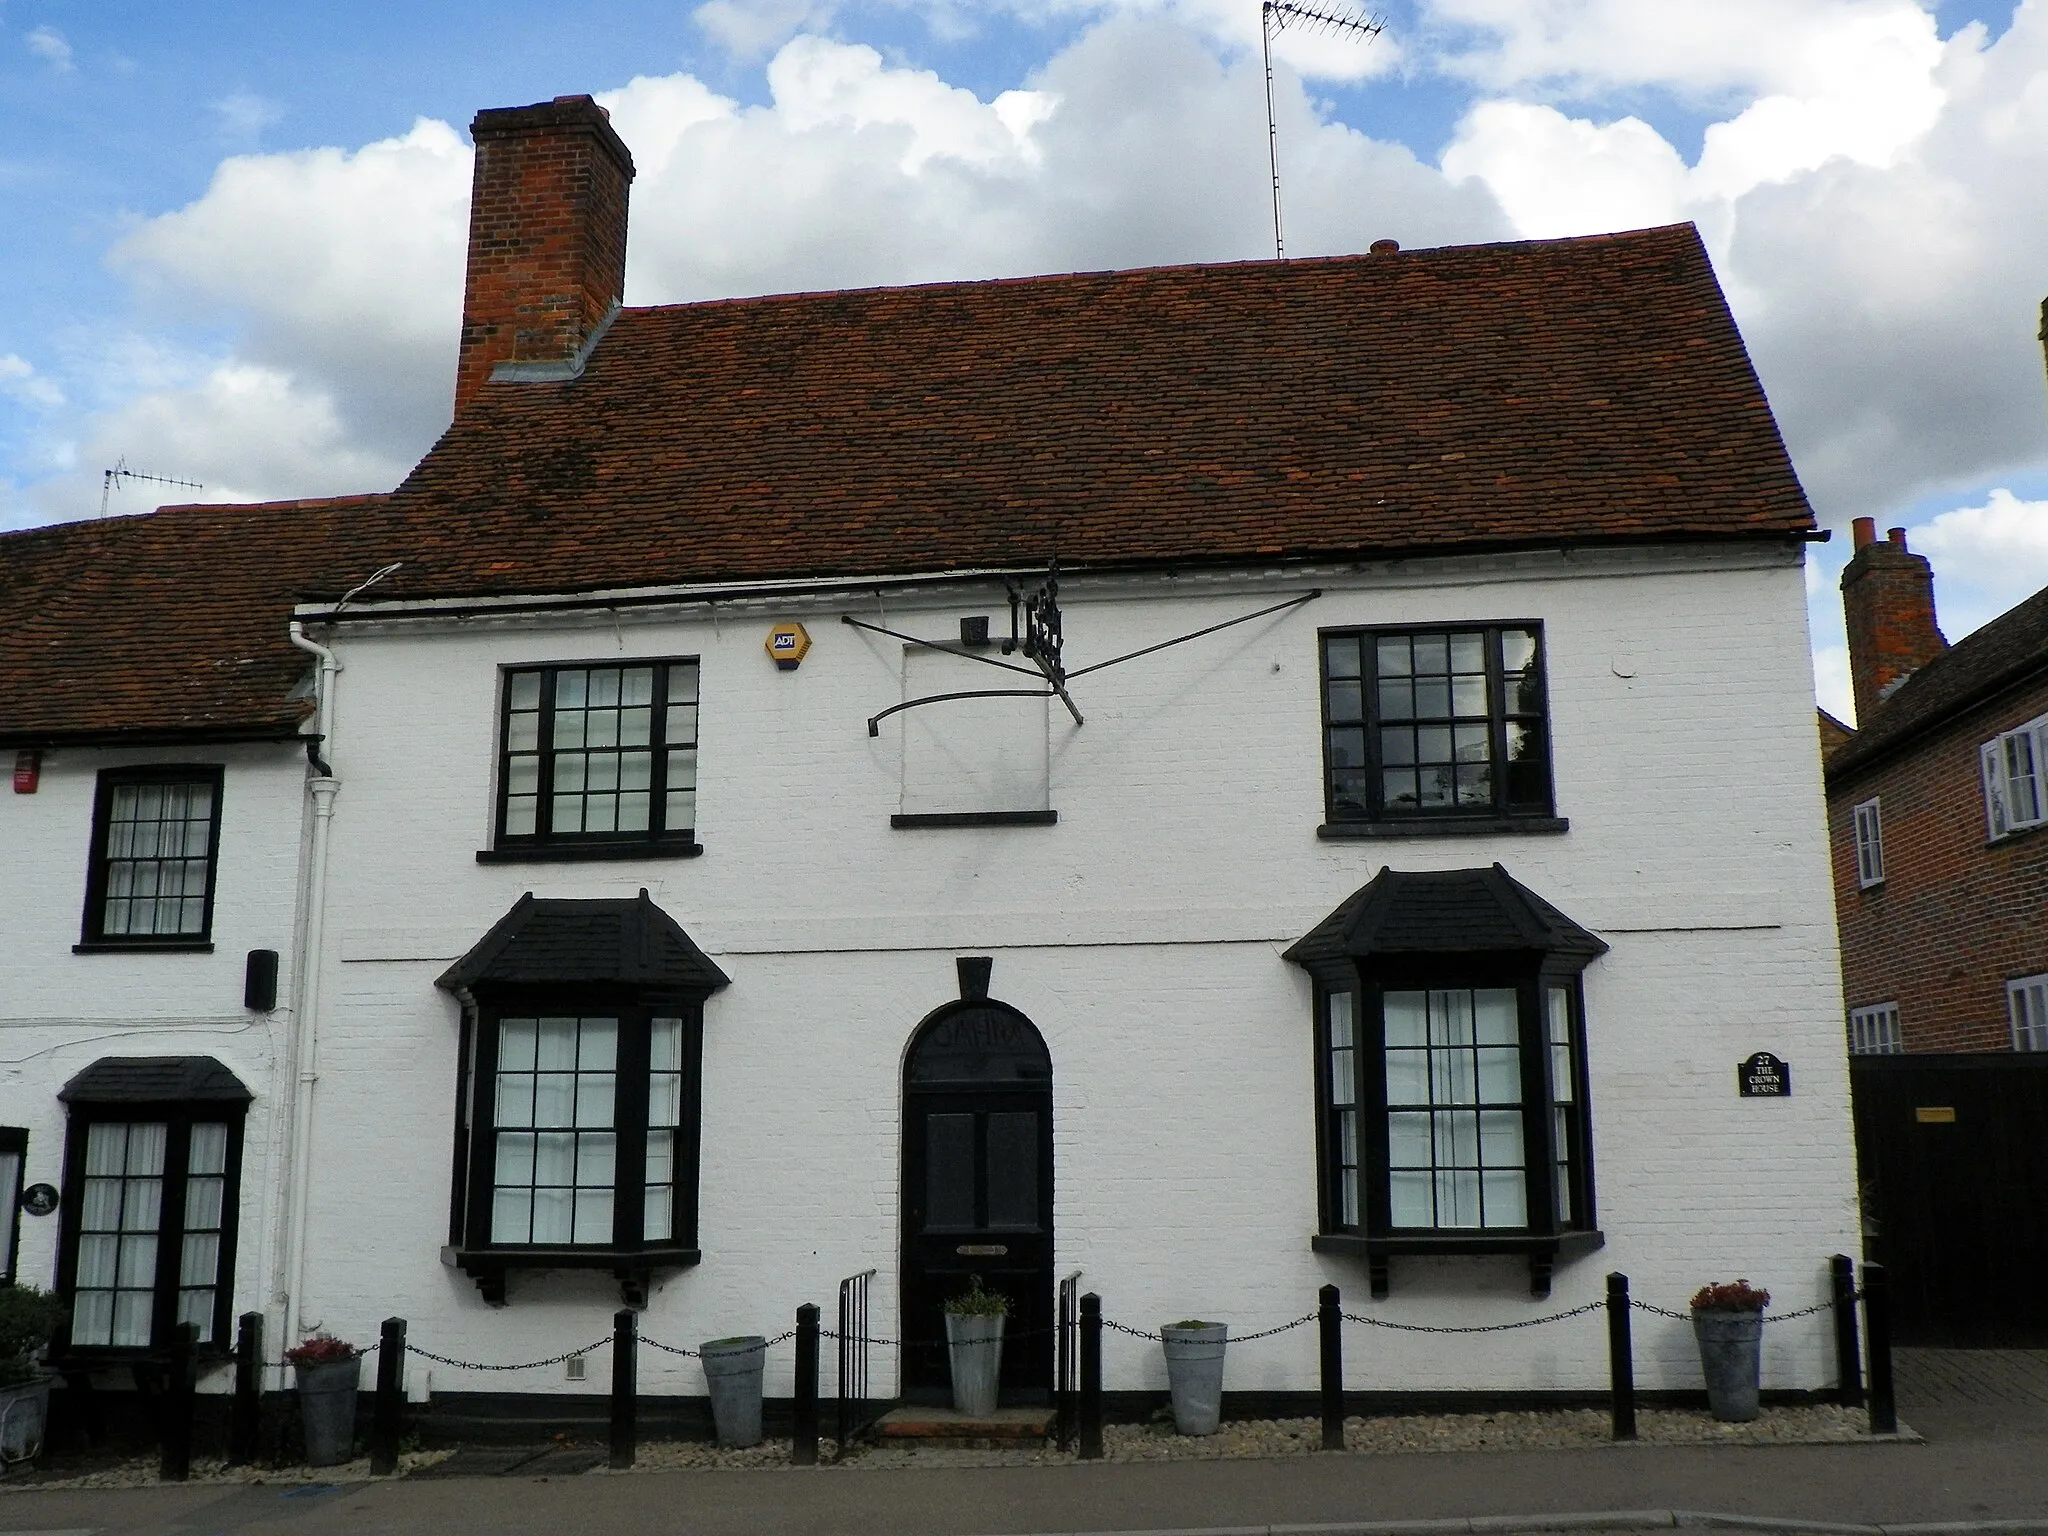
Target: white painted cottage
{"type": "Point", "coordinates": [1223, 779]}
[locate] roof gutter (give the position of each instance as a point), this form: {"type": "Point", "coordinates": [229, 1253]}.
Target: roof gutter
{"type": "Point", "coordinates": [676, 594]}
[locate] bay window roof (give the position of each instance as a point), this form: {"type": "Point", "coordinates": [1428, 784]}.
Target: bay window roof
{"type": "Point", "coordinates": [627, 942]}
{"type": "Point", "coordinates": [1443, 912]}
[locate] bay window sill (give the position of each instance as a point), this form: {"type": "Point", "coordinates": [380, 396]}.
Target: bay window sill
{"type": "Point", "coordinates": [1542, 1249]}
{"type": "Point", "coordinates": [633, 1267]}
{"type": "Point", "coordinates": [1448, 826]}
{"type": "Point", "coordinates": [578, 853]}
{"type": "Point", "coordinates": [143, 947]}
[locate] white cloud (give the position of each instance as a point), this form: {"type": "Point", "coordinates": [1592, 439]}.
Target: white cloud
{"type": "Point", "coordinates": [1557, 175]}
{"type": "Point", "coordinates": [20, 381]}
{"type": "Point", "coordinates": [751, 29]}
{"type": "Point", "coordinates": [244, 115]}
{"type": "Point", "coordinates": [345, 269]}
{"type": "Point", "coordinates": [1832, 689]}
{"type": "Point", "coordinates": [1986, 558]}
{"type": "Point", "coordinates": [1135, 145]}
{"type": "Point", "coordinates": [1705, 50]}
{"type": "Point", "coordinates": [48, 44]}
{"type": "Point", "coordinates": [245, 432]}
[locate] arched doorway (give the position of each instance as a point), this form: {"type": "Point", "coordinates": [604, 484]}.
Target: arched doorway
{"type": "Point", "coordinates": [977, 1190]}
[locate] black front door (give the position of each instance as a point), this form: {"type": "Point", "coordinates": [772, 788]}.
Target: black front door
{"type": "Point", "coordinates": [977, 1192]}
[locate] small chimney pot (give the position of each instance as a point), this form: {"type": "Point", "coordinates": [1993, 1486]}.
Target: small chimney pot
{"type": "Point", "coordinates": [1897, 536]}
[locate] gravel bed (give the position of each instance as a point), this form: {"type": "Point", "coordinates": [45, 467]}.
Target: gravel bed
{"type": "Point", "coordinates": [140, 1472]}
{"type": "Point", "coordinates": [1581, 1428]}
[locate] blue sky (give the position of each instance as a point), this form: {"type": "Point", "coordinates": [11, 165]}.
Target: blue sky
{"type": "Point", "coordinates": [203, 292]}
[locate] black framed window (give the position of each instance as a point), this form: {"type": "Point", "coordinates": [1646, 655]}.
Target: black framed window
{"type": "Point", "coordinates": [148, 1239]}
{"type": "Point", "coordinates": [1450, 1071]}
{"type": "Point", "coordinates": [1435, 724]}
{"type": "Point", "coordinates": [1450, 1105]}
{"type": "Point", "coordinates": [155, 850]}
{"type": "Point", "coordinates": [598, 757]}
{"type": "Point", "coordinates": [13, 1158]}
{"type": "Point", "coordinates": [580, 1125]}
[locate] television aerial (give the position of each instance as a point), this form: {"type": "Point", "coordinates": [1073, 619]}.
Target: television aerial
{"type": "Point", "coordinates": [1339, 16]}
{"type": "Point", "coordinates": [121, 474]}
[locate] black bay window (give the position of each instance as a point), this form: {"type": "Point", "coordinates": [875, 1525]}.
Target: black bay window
{"type": "Point", "coordinates": [1436, 730]}
{"type": "Point", "coordinates": [597, 761]}
{"type": "Point", "coordinates": [1451, 1072]}
{"type": "Point", "coordinates": [577, 1114]}
{"type": "Point", "coordinates": [152, 1177]}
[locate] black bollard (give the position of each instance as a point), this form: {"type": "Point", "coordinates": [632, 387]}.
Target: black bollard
{"type": "Point", "coordinates": [1621, 1359]}
{"type": "Point", "coordinates": [176, 1463]}
{"type": "Point", "coordinates": [247, 1413]}
{"type": "Point", "coordinates": [803, 1439]}
{"type": "Point", "coordinates": [1091, 1377]}
{"type": "Point", "coordinates": [625, 1384]}
{"type": "Point", "coordinates": [1330, 1319]}
{"type": "Point", "coordinates": [1877, 1323]}
{"type": "Point", "coordinates": [1848, 1341]}
{"type": "Point", "coordinates": [387, 1420]}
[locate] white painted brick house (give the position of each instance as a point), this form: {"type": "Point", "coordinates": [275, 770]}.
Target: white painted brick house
{"type": "Point", "coordinates": [1486, 565]}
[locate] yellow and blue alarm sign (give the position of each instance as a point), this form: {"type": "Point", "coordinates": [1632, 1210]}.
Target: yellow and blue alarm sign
{"type": "Point", "coordinates": [788, 644]}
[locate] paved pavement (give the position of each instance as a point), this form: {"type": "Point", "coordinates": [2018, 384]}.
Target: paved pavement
{"type": "Point", "coordinates": [1985, 1459]}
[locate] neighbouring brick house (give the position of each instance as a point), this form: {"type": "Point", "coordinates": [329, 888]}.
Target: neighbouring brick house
{"type": "Point", "coordinates": [1935, 809]}
{"type": "Point", "coordinates": [1402, 929]}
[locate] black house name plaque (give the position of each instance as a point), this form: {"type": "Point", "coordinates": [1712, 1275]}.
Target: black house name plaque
{"type": "Point", "coordinates": [1764, 1076]}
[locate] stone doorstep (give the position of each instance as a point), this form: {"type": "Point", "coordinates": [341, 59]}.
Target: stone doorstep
{"type": "Point", "coordinates": [1005, 1429]}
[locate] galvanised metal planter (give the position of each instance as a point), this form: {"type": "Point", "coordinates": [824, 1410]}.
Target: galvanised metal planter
{"type": "Point", "coordinates": [732, 1369]}
{"type": "Point", "coordinates": [24, 1414]}
{"type": "Point", "coordinates": [327, 1409]}
{"type": "Point", "coordinates": [1731, 1358]}
{"type": "Point", "coordinates": [1194, 1374]}
{"type": "Point", "coordinates": [975, 1343]}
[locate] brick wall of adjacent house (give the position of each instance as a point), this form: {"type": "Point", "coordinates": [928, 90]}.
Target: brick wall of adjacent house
{"type": "Point", "coordinates": [1957, 915]}
{"type": "Point", "coordinates": [547, 235]}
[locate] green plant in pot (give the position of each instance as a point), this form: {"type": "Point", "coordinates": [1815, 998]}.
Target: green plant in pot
{"type": "Point", "coordinates": [974, 1343]}
{"type": "Point", "coordinates": [1728, 1324]}
{"type": "Point", "coordinates": [329, 1370]}
{"type": "Point", "coordinates": [1194, 1373]}
{"type": "Point", "coordinates": [29, 1319]}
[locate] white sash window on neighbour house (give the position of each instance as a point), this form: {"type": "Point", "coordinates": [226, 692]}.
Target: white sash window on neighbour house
{"type": "Point", "coordinates": [1869, 845]}
{"type": "Point", "coordinates": [1874, 1031]}
{"type": "Point", "coordinates": [2015, 796]}
{"type": "Point", "coordinates": [2028, 999]}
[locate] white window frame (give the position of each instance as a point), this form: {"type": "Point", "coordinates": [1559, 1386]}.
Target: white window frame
{"type": "Point", "coordinates": [2015, 765]}
{"type": "Point", "coordinates": [1874, 1031]}
{"type": "Point", "coordinates": [2026, 998]}
{"type": "Point", "coordinates": [1869, 845]}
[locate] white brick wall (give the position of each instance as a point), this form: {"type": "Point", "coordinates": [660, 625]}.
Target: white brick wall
{"type": "Point", "coordinates": [60, 1012]}
{"type": "Point", "coordinates": [1142, 934]}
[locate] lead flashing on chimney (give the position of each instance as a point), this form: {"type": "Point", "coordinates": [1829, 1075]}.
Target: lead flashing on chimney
{"type": "Point", "coordinates": [555, 371]}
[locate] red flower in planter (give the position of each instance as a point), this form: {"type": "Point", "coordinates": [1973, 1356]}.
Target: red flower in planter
{"type": "Point", "coordinates": [321, 1349]}
{"type": "Point", "coordinates": [1734, 1296]}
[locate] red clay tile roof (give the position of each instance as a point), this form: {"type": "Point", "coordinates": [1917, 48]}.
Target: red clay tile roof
{"type": "Point", "coordinates": [1505, 395]}
{"type": "Point", "coordinates": [2012, 649]}
{"type": "Point", "coordinates": [166, 627]}
{"type": "Point", "coordinates": [1464, 398]}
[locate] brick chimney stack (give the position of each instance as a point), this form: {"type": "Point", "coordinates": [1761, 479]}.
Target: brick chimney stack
{"type": "Point", "coordinates": [1888, 600]}
{"type": "Point", "coordinates": [547, 236]}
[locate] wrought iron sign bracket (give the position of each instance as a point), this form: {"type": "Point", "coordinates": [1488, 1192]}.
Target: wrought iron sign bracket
{"type": "Point", "coordinates": [1040, 638]}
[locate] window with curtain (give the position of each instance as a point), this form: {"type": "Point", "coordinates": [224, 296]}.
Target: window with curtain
{"type": "Point", "coordinates": [149, 1239]}
{"type": "Point", "coordinates": [155, 843]}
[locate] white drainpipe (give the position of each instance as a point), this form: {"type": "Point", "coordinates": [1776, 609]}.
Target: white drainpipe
{"type": "Point", "coordinates": [295, 1178]}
